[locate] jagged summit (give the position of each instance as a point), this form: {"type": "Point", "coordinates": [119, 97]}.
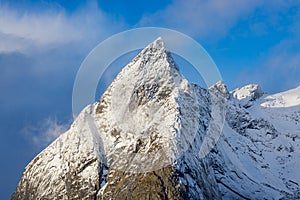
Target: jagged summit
{"type": "Point", "coordinates": [157, 45]}
{"type": "Point", "coordinates": [248, 94]}
{"type": "Point", "coordinates": [220, 87]}
{"type": "Point", "coordinates": [252, 90]}
{"type": "Point", "coordinates": [153, 59]}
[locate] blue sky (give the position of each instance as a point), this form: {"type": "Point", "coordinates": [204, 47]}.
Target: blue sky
{"type": "Point", "coordinates": [43, 42]}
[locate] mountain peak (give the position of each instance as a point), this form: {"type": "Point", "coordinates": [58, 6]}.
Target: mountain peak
{"type": "Point", "coordinates": [220, 87]}
{"type": "Point", "coordinates": [248, 94]}
{"type": "Point", "coordinates": [247, 91]}
{"type": "Point", "coordinates": [153, 65]}
{"type": "Point", "coordinates": [143, 99]}
{"type": "Point", "coordinates": [157, 44]}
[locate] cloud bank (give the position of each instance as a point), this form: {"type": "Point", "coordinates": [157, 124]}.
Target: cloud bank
{"type": "Point", "coordinates": [48, 28]}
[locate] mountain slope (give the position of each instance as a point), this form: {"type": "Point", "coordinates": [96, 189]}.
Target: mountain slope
{"type": "Point", "coordinates": [258, 154]}
{"type": "Point", "coordinates": [70, 168]}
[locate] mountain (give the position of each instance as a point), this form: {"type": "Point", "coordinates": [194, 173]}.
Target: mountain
{"type": "Point", "coordinates": [258, 156]}
{"type": "Point", "coordinates": [148, 136]}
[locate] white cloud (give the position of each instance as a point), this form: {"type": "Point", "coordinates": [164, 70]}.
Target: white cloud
{"type": "Point", "coordinates": [279, 69]}
{"type": "Point", "coordinates": [20, 31]}
{"type": "Point", "coordinates": [202, 18]}
{"type": "Point", "coordinates": [44, 132]}
{"type": "Point", "coordinates": [42, 29]}
{"type": "Point", "coordinates": [213, 19]}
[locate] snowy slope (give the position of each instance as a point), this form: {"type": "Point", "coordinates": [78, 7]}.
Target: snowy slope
{"type": "Point", "coordinates": [69, 168]}
{"type": "Point", "coordinates": [284, 99]}
{"type": "Point", "coordinates": [258, 155]}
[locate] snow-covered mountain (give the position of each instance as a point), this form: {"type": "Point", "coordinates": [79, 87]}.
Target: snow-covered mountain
{"type": "Point", "coordinates": [143, 140]}
{"type": "Point", "coordinates": [258, 155]}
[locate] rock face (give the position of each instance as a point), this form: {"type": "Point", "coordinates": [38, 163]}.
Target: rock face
{"type": "Point", "coordinates": [143, 140]}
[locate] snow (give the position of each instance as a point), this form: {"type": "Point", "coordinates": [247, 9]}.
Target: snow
{"type": "Point", "coordinates": [284, 99]}
{"type": "Point", "coordinates": [246, 91]}
{"type": "Point", "coordinates": [247, 94]}
{"type": "Point", "coordinates": [260, 144]}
